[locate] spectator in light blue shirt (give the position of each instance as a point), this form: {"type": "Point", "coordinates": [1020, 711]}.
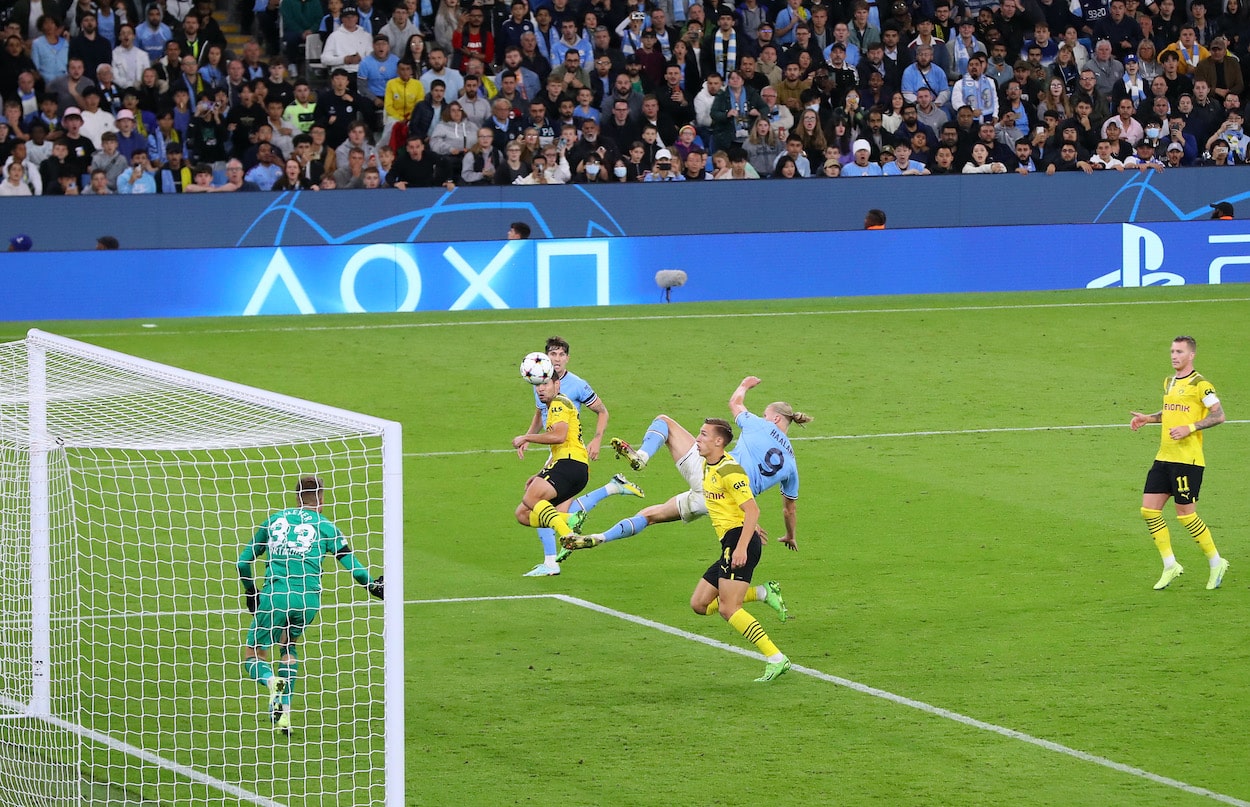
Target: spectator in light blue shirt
{"type": "Point", "coordinates": [569, 40]}
{"type": "Point", "coordinates": [152, 35]}
{"type": "Point", "coordinates": [267, 171]}
{"type": "Point", "coordinates": [50, 52]}
{"type": "Point", "coordinates": [106, 23]}
{"type": "Point", "coordinates": [902, 165]}
{"type": "Point", "coordinates": [787, 19]}
{"type": "Point", "coordinates": [141, 178]}
{"type": "Point", "coordinates": [862, 166]}
{"type": "Point", "coordinates": [924, 73]}
{"type": "Point", "coordinates": [842, 34]}
{"type": "Point", "coordinates": [376, 69]}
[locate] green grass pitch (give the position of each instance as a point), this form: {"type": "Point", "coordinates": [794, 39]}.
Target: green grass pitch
{"type": "Point", "coordinates": [964, 542]}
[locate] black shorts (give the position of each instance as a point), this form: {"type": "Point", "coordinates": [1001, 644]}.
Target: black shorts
{"type": "Point", "coordinates": [568, 477]}
{"type": "Point", "coordinates": [1180, 481]}
{"type": "Point", "coordinates": [721, 569]}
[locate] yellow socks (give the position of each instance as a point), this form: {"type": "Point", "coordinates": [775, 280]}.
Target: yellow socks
{"type": "Point", "coordinates": [747, 625]}
{"type": "Point", "coordinates": [1201, 533]}
{"type": "Point", "coordinates": [1159, 532]}
{"type": "Point", "coordinates": [546, 515]}
{"type": "Point", "coordinates": [752, 595]}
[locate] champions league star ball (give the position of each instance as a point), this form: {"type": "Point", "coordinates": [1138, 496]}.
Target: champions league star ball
{"type": "Point", "coordinates": [537, 368]}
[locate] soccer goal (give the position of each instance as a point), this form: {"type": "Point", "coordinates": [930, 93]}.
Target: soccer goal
{"type": "Point", "coordinates": [127, 490]}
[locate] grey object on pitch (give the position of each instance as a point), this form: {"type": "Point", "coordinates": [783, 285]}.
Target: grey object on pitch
{"type": "Point", "coordinates": [669, 279]}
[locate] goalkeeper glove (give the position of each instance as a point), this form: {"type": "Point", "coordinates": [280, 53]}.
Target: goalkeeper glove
{"type": "Point", "coordinates": [375, 588]}
{"type": "Point", "coordinates": [252, 600]}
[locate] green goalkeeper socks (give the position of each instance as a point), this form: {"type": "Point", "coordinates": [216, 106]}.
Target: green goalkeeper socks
{"type": "Point", "coordinates": [258, 670]}
{"type": "Point", "coordinates": [289, 671]}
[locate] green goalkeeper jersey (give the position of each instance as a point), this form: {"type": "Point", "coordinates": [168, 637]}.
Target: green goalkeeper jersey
{"type": "Point", "coordinates": [296, 541]}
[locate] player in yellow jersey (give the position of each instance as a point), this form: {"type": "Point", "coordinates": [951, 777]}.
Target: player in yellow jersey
{"type": "Point", "coordinates": [1190, 405]}
{"type": "Point", "coordinates": [563, 477]}
{"type": "Point", "coordinates": [735, 515]}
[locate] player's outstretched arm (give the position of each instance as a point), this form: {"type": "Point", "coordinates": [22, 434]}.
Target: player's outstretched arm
{"type": "Point", "coordinates": [360, 574]}
{"type": "Point", "coordinates": [1140, 419]}
{"type": "Point", "coordinates": [738, 401]}
{"type": "Point", "coordinates": [789, 514]}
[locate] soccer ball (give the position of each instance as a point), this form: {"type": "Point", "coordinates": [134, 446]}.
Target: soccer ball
{"type": "Point", "coordinates": [537, 368]}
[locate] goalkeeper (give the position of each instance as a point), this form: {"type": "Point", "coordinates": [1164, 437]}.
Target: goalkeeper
{"type": "Point", "coordinates": [295, 540]}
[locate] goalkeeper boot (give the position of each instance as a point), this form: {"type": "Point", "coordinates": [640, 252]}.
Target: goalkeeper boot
{"type": "Point", "coordinates": [774, 601]}
{"type": "Point", "coordinates": [774, 669]}
{"type": "Point", "coordinates": [575, 541]}
{"type": "Point", "coordinates": [1217, 575]}
{"type": "Point", "coordinates": [543, 570]}
{"type": "Point", "coordinates": [624, 449]}
{"type": "Point", "coordinates": [277, 688]}
{"type": "Point", "coordinates": [284, 723]}
{"type": "Point", "coordinates": [624, 488]}
{"type": "Point", "coordinates": [1169, 574]}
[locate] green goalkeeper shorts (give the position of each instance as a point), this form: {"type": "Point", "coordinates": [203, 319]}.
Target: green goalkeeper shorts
{"type": "Point", "coordinates": [282, 616]}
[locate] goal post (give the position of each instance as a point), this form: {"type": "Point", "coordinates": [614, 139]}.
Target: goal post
{"type": "Point", "coordinates": [128, 489]}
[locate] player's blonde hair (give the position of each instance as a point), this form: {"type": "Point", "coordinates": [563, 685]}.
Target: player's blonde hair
{"type": "Point", "coordinates": [786, 411]}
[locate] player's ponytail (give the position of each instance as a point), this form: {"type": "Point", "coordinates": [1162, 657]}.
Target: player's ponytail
{"type": "Point", "coordinates": [786, 411]}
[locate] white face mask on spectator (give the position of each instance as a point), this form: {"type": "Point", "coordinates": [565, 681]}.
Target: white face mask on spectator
{"type": "Point", "coordinates": [592, 169]}
{"type": "Point", "coordinates": [619, 171]}
{"type": "Point", "coordinates": [1152, 132]}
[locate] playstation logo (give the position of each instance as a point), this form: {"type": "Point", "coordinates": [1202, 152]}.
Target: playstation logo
{"type": "Point", "coordinates": [1142, 257]}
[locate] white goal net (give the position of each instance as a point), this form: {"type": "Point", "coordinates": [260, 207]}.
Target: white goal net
{"type": "Point", "coordinates": [127, 491]}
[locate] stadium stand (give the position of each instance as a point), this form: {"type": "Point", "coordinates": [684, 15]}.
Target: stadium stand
{"type": "Point", "coordinates": [155, 96]}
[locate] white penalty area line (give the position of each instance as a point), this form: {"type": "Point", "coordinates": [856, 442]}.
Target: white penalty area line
{"type": "Point", "coordinates": [822, 437]}
{"type": "Point", "coordinates": [156, 331]}
{"type": "Point", "coordinates": [864, 689]}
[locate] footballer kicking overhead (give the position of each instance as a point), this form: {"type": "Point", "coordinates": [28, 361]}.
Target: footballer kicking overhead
{"type": "Point", "coordinates": [763, 450]}
{"type": "Point", "coordinates": [1190, 406]}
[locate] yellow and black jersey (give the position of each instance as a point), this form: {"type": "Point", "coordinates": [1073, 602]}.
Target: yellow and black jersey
{"type": "Point", "coordinates": [562, 410]}
{"type": "Point", "coordinates": [1185, 401]}
{"type": "Point", "coordinates": [725, 488]}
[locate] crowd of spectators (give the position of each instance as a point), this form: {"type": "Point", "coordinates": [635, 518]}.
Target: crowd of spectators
{"type": "Point", "coordinates": [100, 96]}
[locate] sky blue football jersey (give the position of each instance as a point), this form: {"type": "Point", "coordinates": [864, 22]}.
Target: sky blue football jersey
{"type": "Point", "coordinates": [573, 387]}
{"type": "Point", "coordinates": [765, 453]}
